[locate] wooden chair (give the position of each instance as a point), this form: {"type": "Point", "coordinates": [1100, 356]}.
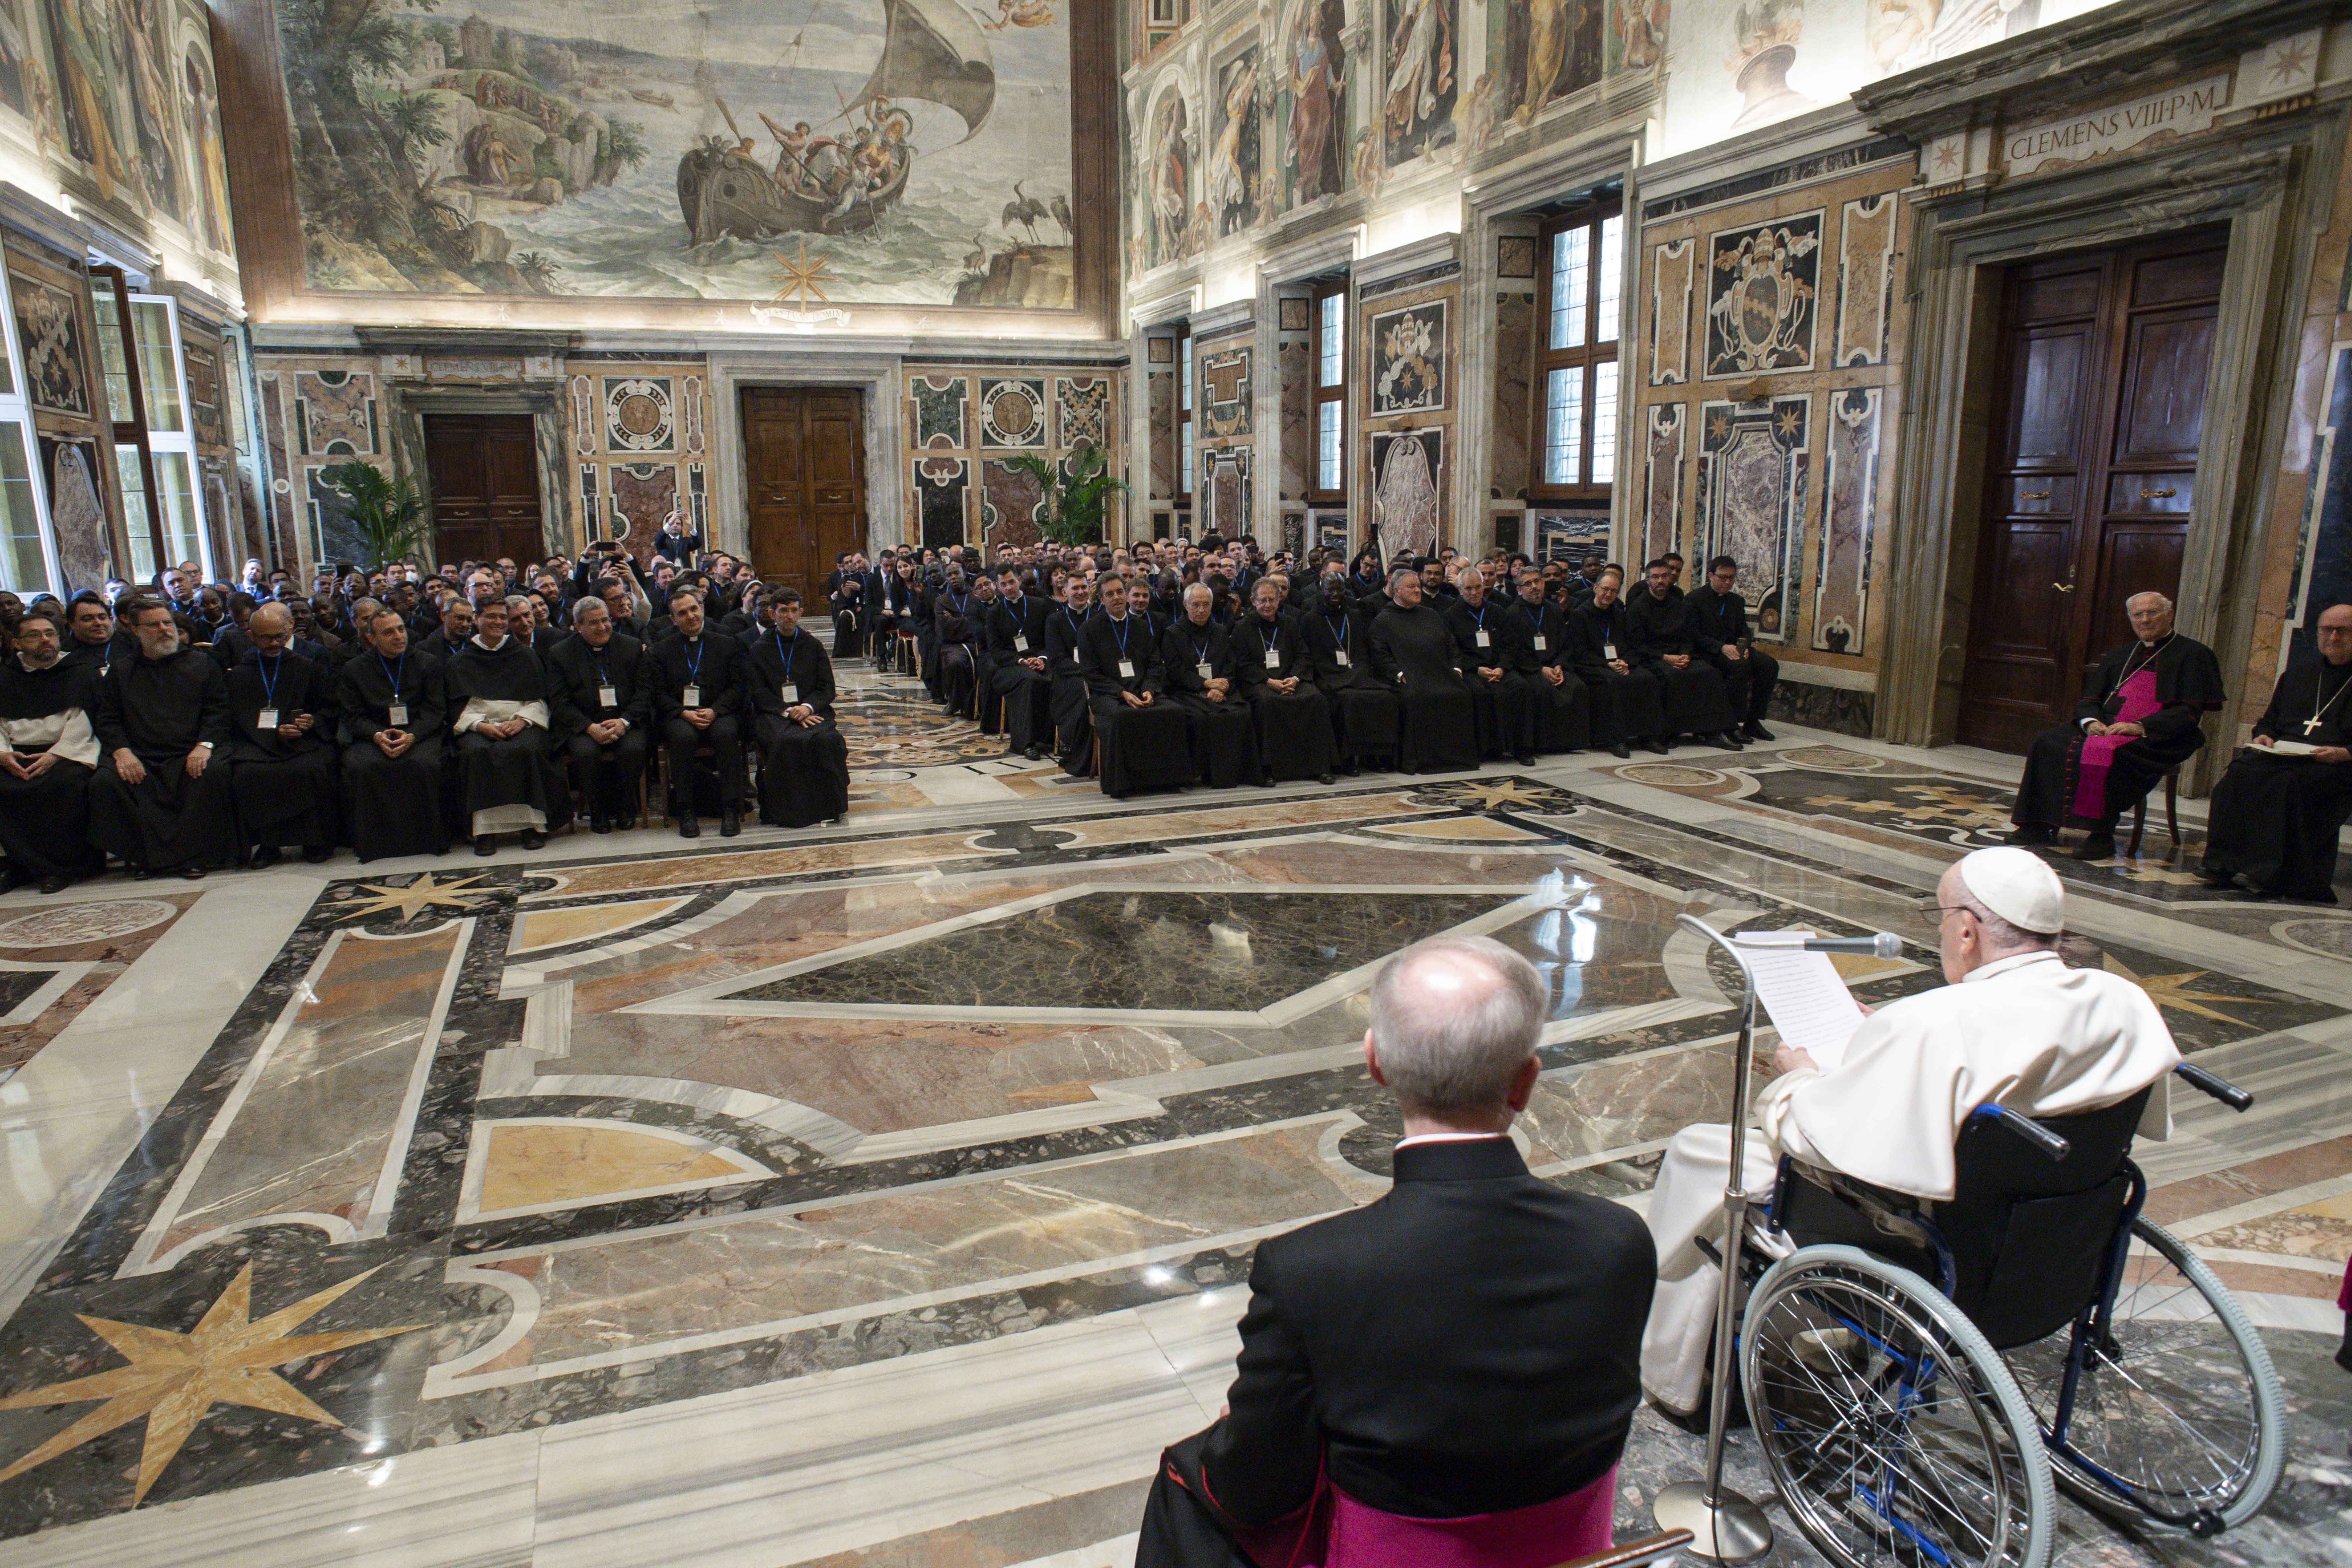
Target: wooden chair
{"type": "Point", "coordinates": [2171, 815]}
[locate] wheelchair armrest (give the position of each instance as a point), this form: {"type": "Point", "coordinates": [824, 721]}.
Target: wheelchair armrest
{"type": "Point", "coordinates": [2049, 1144]}
{"type": "Point", "coordinates": [2221, 1088]}
{"type": "Point", "coordinates": [1634, 1553]}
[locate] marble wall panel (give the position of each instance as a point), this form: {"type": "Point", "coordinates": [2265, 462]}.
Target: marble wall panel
{"type": "Point", "coordinates": [640, 414]}
{"type": "Point", "coordinates": [1010, 501]}
{"type": "Point", "coordinates": [1408, 363]}
{"type": "Point", "coordinates": [1013, 413]}
{"type": "Point", "coordinates": [1081, 410]}
{"type": "Point", "coordinates": [1225, 491]}
{"type": "Point", "coordinates": [1294, 363]}
{"type": "Point", "coordinates": [50, 332]}
{"type": "Point", "coordinates": [1515, 337]}
{"type": "Point", "coordinates": [1225, 391]}
{"type": "Point", "coordinates": [335, 413]}
{"type": "Point", "coordinates": [1670, 311]}
{"type": "Point", "coordinates": [580, 401]}
{"type": "Point", "coordinates": [1408, 511]}
{"type": "Point", "coordinates": [1762, 282]}
{"type": "Point", "coordinates": [1849, 522]}
{"type": "Point", "coordinates": [1160, 398]}
{"type": "Point", "coordinates": [1751, 496]}
{"type": "Point", "coordinates": [1662, 499]}
{"type": "Point", "coordinates": [940, 487]}
{"type": "Point", "coordinates": [591, 512]}
{"type": "Point", "coordinates": [936, 411]}
{"type": "Point", "coordinates": [85, 553]}
{"type": "Point", "coordinates": [642, 494]}
{"type": "Point", "coordinates": [1865, 283]}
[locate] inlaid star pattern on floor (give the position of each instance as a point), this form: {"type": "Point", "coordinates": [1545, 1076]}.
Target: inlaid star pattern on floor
{"type": "Point", "coordinates": [1498, 795]}
{"type": "Point", "coordinates": [2172, 991]}
{"type": "Point", "coordinates": [174, 1378]}
{"type": "Point", "coordinates": [423, 893]}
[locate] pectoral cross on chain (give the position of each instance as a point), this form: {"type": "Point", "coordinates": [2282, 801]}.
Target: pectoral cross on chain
{"type": "Point", "coordinates": [2311, 725]}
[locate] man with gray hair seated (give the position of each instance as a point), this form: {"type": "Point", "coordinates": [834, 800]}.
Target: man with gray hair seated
{"type": "Point", "coordinates": [1467, 1345]}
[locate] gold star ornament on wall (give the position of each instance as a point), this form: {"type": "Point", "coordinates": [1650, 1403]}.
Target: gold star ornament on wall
{"type": "Point", "coordinates": [173, 1378]}
{"type": "Point", "coordinates": [806, 276]}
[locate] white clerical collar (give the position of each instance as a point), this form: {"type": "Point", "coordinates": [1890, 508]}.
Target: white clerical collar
{"type": "Point", "coordinates": [487, 646]}
{"type": "Point", "coordinates": [2013, 962]}
{"type": "Point", "coordinates": [1449, 1138]}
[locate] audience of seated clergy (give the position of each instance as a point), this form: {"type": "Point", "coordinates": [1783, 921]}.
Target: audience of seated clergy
{"type": "Point", "coordinates": [2140, 719]}
{"type": "Point", "coordinates": [281, 756]}
{"type": "Point", "coordinates": [804, 760]}
{"type": "Point", "coordinates": [389, 709]}
{"type": "Point", "coordinates": [48, 751]}
{"type": "Point", "coordinates": [157, 803]}
{"type": "Point", "coordinates": [596, 671]}
{"type": "Point", "coordinates": [2276, 816]}
{"type": "Point", "coordinates": [1466, 1345]}
{"type": "Point", "coordinates": [504, 712]}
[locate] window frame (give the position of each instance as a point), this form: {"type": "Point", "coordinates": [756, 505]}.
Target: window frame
{"type": "Point", "coordinates": [1593, 217]}
{"type": "Point", "coordinates": [181, 442]}
{"type": "Point", "coordinates": [16, 409]}
{"type": "Point", "coordinates": [1187, 391]}
{"type": "Point", "coordinates": [1336, 393]}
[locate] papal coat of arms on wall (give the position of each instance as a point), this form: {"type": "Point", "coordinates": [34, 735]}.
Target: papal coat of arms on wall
{"type": "Point", "coordinates": [1409, 360]}
{"type": "Point", "coordinates": [1760, 296]}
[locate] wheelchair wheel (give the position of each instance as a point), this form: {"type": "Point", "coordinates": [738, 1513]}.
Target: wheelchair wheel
{"type": "Point", "coordinates": [2179, 1402]}
{"type": "Point", "coordinates": [1890, 1427]}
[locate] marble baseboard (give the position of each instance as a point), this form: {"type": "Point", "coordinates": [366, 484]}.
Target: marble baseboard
{"type": "Point", "coordinates": [1832, 708]}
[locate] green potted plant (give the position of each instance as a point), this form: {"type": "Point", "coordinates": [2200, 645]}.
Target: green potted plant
{"type": "Point", "coordinates": [387, 513]}
{"type": "Point", "coordinates": [1077, 494]}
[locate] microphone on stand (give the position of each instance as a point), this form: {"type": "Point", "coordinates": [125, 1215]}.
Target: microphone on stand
{"type": "Point", "coordinates": [1884, 944]}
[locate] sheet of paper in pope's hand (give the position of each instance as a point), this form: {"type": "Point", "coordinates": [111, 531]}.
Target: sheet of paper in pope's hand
{"type": "Point", "coordinates": [1803, 992]}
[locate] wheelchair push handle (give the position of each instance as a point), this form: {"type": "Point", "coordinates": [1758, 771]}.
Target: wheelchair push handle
{"type": "Point", "coordinates": [2221, 1088]}
{"type": "Point", "coordinates": [2051, 1144]}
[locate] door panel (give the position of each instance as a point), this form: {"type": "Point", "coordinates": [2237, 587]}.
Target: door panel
{"type": "Point", "coordinates": [805, 495]}
{"type": "Point", "coordinates": [484, 474]}
{"type": "Point", "coordinates": [2100, 406]}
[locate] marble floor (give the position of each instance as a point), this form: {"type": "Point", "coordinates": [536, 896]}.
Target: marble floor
{"type": "Point", "coordinates": [882, 1195]}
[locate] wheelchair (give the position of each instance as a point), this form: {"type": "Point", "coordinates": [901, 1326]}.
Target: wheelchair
{"type": "Point", "coordinates": [1919, 1377]}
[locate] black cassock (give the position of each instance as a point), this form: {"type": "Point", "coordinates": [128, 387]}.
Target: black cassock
{"type": "Point", "coordinates": [1224, 735]}
{"type": "Point", "coordinates": [159, 709]}
{"type": "Point", "coordinates": [955, 622]}
{"type": "Point", "coordinates": [1016, 632]}
{"type": "Point", "coordinates": [1564, 713]}
{"type": "Point", "coordinates": [1487, 638]}
{"type": "Point", "coordinates": [510, 785]}
{"type": "Point", "coordinates": [1715, 619]}
{"type": "Point", "coordinates": [1142, 748]}
{"type": "Point", "coordinates": [285, 789]}
{"type": "Point", "coordinates": [1413, 651]}
{"type": "Point", "coordinates": [714, 667]}
{"type": "Point", "coordinates": [45, 820]}
{"type": "Point", "coordinates": [608, 772]}
{"type": "Point", "coordinates": [391, 805]}
{"type": "Point", "coordinates": [848, 604]}
{"type": "Point", "coordinates": [1293, 731]}
{"type": "Point", "coordinates": [1071, 705]}
{"type": "Point", "coordinates": [1697, 703]}
{"type": "Point", "coordinates": [1625, 707]}
{"type": "Point", "coordinates": [804, 772]}
{"type": "Point", "coordinates": [1363, 711]}
{"type": "Point", "coordinates": [2188, 687]}
{"type": "Point", "coordinates": [2274, 820]}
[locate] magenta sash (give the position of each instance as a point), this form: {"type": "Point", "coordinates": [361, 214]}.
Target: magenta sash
{"type": "Point", "coordinates": [2139, 695]}
{"type": "Point", "coordinates": [1335, 1530]}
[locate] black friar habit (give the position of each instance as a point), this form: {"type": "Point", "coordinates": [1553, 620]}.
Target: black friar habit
{"type": "Point", "coordinates": [285, 789]}
{"type": "Point", "coordinates": [1224, 733]}
{"type": "Point", "coordinates": [1488, 636]}
{"type": "Point", "coordinates": [1563, 711]}
{"type": "Point", "coordinates": [1294, 729]}
{"type": "Point", "coordinates": [1363, 711]}
{"type": "Point", "coordinates": [1071, 705]}
{"type": "Point", "coordinates": [804, 770]}
{"type": "Point", "coordinates": [510, 785]}
{"type": "Point", "coordinates": [610, 773]}
{"type": "Point", "coordinates": [1696, 700]}
{"type": "Point", "coordinates": [160, 710]}
{"type": "Point", "coordinates": [1148, 747]}
{"type": "Point", "coordinates": [1627, 705]}
{"type": "Point", "coordinates": [45, 820]}
{"type": "Point", "coordinates": [846, 598]}
{"type": "Point", "coordinates": [2276, 820]}
{"type": "Point", "coordinates": [1413, 651]}
{"type": "Point", "coordinates": [2088, 780]}
{"type": "Point", "coordinates": [1016, 635]}
{"type": "Point", "coordinates": [955, 623]}
{"type": "Point", "coordinates": [391, 805]}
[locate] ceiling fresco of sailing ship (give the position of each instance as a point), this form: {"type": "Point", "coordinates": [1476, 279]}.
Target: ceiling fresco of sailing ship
{"type": "Point", "coordinates": [816, 154]}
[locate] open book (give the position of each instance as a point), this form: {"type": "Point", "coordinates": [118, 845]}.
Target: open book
{"type": "Point", "coordinates": [1803, 992]}
{"type": "Point", "coordinates": [2292, 749]}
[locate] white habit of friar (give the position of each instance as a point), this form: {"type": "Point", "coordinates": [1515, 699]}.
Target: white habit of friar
{"type": "Point", "coordinates": [2025, 1032]}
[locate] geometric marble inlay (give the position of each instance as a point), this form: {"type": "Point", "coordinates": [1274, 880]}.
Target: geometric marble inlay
{"type": "Point", "coordinates": [84, 923]}
{"type": "Point", "coordinates": [530, 1165]}
{"type": "Point", "coordinates": [1221, 951]}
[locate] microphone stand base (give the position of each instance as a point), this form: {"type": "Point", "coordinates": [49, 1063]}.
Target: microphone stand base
{"type": "Point", "coordinates": [1734, 1531]}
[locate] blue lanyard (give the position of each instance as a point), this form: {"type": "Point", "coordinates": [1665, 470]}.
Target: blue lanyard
{"type": "Point", "coordinates": [1535, 614]}
{"type": "Point", "coordinates": [1480, 618]}
{"type": "Point", "coordinates": [269, 680]}
{"type": "Point", "coordinates": [1339, 632]}
{"type": "Point", "coordinates": [390, 676]}
{"type": "Point", "coordinates": [602, 679]}
{"type": "Point", "coordinates": [693, 668]}
{"type": "Point", "coordinates": [787, 653]}
{"type": "Point", "coordinates": [1200, 655]}
{"type": "Point", "coordinates": [1124, 623]}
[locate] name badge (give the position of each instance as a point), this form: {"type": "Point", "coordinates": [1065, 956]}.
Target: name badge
{"type": "Point", "coordinates": [1539, 642]}
{"type": "Point", "coordinates": [1126, 669]}
{"type": "Point", "coordinates": [1342, 655]}
{"type": "Point", "coordinates": [1208, 671]}
{"type": "Point", "coordinates": [269, 720]}
{"type": "Point", "coordinates": [608, 697]}
{"type": "Point", "coordinates": [1483, 640]}
{"type": "Point", "coordinates": [1273, 660]}
{"type": "Point", "coordinates": [792, 694]}
{"type": "Point", "coordinates": [1020, 642]}
{"type": "Point", "coordinates": [1608, 651]}
{"type": "Point", "coordinates": [691, 696]}
{"type": "Point", "coordinates": [397, 716]}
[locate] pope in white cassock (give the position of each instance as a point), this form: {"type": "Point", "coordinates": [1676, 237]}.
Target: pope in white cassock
{"type": "Point", "coordinates": [2016, 1026]}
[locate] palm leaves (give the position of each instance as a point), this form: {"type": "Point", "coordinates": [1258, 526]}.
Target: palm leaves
{"type": "Point", "coordinates": [1077, 493]}
{"type": "Point", "coordinates": [388, 514]}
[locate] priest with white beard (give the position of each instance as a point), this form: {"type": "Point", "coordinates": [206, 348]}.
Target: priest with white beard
{"type": "Point", "coordinates": [2015, 1026]}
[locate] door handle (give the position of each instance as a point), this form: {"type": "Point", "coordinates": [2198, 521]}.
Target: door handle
{"type": "Point", "coordinates": [2064, 587]}
{"type": "Point", "coordinates": [2037, 495]}
{"type": "Point", "coordinates": [2155, 495]}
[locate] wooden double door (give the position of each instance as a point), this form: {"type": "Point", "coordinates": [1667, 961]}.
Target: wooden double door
{"type": "Point", "coordinates": [805, 496]}
{"type": "Point", "coordinates": [2103, 359]}
{"type": "Point", "coordinates": [484, 472]}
